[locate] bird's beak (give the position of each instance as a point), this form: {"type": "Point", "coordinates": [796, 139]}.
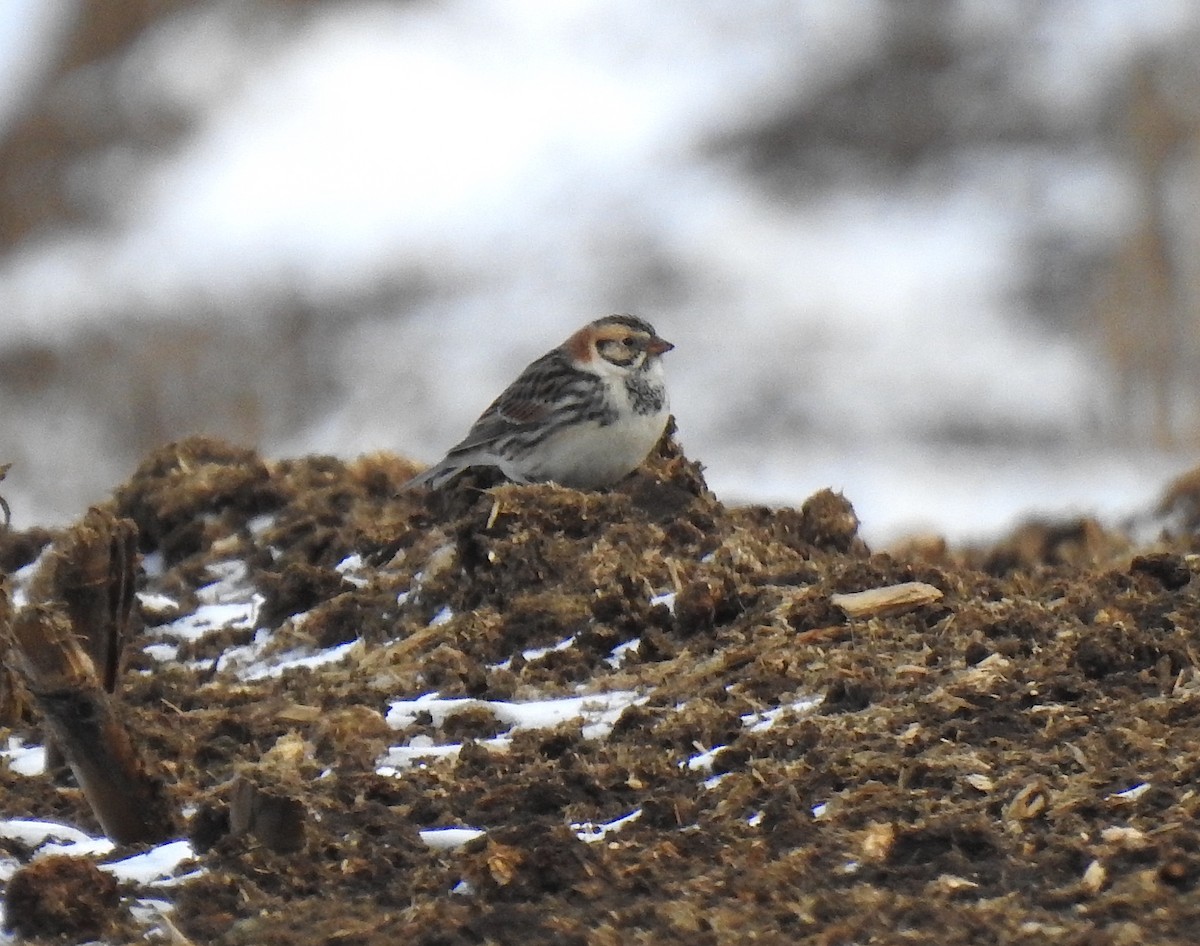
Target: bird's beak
{"type": "Point", "coordinates": [656, 345]}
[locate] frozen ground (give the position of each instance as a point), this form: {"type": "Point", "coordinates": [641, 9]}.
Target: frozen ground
{"type": "Point", "coordinates": [511, 170]}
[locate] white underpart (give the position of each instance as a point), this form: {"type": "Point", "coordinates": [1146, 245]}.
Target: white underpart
{"type": "Point", "coordinates": [588, 455]}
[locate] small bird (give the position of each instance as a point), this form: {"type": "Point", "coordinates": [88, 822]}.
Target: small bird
{"type": "Point", "coordinates": [583, 415]}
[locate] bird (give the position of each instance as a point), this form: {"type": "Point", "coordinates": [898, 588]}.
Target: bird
{"type": "Point", "coordinates": [584, 415]}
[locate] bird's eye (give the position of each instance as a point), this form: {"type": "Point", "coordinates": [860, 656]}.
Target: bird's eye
{"type": "Point", "coordinates": [627, 340]}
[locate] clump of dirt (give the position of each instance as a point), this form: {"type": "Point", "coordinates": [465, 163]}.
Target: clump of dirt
{"type": "Point", "coordinates": [1011, 761]}
{"type": "Point", "coordinates": [65, 897]}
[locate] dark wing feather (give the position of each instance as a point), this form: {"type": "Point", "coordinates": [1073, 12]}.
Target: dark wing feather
{"type": "Point", "coordinates": [537, 393]}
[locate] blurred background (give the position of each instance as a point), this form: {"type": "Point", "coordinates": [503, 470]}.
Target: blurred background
{"type": "Point", "coordinates": [939, 254]}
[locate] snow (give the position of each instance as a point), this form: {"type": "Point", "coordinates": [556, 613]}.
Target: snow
{"type": "Point", "coordinates": [253, 661]}
{"type": "Point", "coordinates": [764, 719]}
{"type": "Point", "coordinates": [20, 582]}
{"type": "Point", "coordinates": [622, 651]}
{"type": "Point", "coordinates": [155, 603]}
{"type": "Point", "coordinates": [212, 617]}
{"type": "Point", "coordinates": [231, 603]}
{"type": "Point", "coordinates": [667, 599]}
{"type": "Point", "coordinates": [533, 164]}
{"type": "Point", "coordinates": [156, 866]}
{"type": "Point", "coordinates": [422, 750]}
{"type": "Point", "coordinates": [446, 839]}
{"type": "Point", "coordinates": [23, 759]}
{"type": "Point", "coordinates": [1134, 793]}
{"type": "Point", "coordinates": [963, 494]}
{"type": "Point", "coordinates": [758, 721]}
{"type": "Point", "coordinates": [590, 832]}
{"type": "Point", "coordinates": [289, 661]}
{"type": "Point", "coordinates": [226, 603]}
{"type": "Point", "coordinates": [536, 653]}
{"type": "Point", "coordinates": [703, 761]}
{"type": "Point", "coordinates": [49, 837]}
{"type": "Point", "coordinates": [354, 570]}
{"type": "Point", "coordinates": [597, 712]}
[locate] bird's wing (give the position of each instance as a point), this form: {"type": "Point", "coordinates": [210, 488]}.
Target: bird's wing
{"type": "Point", "coordinates": [527, 402]}
{"type": "Point", "coordinates": [548, 386]}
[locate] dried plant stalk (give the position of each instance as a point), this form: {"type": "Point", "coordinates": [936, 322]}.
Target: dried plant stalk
{"type": "Point", "coordinates": [129, 802]}
{"type": "Point", "coordinates": [13, 700]}
{"type": "Point", "coordinates": [91, 572]}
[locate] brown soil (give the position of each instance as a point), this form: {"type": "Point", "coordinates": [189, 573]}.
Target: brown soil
{"type": "Point", "coordinates": [964, 779]}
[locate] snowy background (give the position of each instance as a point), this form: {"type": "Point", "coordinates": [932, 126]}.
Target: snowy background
{"type": "Point", "coordinates": [937, 254]}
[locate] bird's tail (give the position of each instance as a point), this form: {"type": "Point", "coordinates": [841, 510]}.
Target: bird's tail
{"type": "Point", "coordinates": [434, 477]}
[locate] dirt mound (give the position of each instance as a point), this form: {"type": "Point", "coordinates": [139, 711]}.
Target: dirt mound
{"type": "Point", "coordinates": [1008, 756]}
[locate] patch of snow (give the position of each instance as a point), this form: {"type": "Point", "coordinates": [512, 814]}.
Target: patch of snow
{"type": "Point", "coordinates": [765, 719]}
{"type": "Point", "coordinates": [151, 601]}
{"type": "Point", "coordinates": [227, 602]}
{"type": "Point", "coordinates": [212, 617]}
{"type": "Point", "coordinates": [753, 722]}
{"type": "Point", "coordinates": [230, 581]}
{"type": "Point", "coordinates": [599, 711]}
{"type": "Point", "coordinates": [704, 761]}
{"type": "Point", "coordinates": [47, 837]}
{"type": "Point", "coordinates": [666, 598]}
{"type": "Point", "coordinates": [153, 564]}
{"type": "Point", "coordinates": [621, 652]}
{"type": "Point", "coordinates": [352, 569]}
{"type": "Point", "coordinates": [447, 839]}
{"type": "Point", "coordinates": [156, 866]}
{"type": "Point", "coordinates": [260, 524]}
{"type": "Point", "coordinates": [277, 665]}
{"type": "Point", "coordinates": [422, 749]}
{"type": "Point", "coordinates": [24, 759]}
{"type": "Point", "coordinates": [536, 653]}
{"type": "Point", "coordinates": [162, 653]}
{"type": "Point", "coordinates": [20, 579]}
{"type": "Point", "coordinates": [591, 832]}
{"type": "Point", "coordinates": [8, 867]}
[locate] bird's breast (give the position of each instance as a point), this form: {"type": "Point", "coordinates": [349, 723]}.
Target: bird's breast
{"type": "Point", "coordinates": [592, 454]}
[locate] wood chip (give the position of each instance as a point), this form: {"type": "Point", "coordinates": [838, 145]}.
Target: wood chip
{"type": "Point", "coordinates": [299, 713]}
{"type": "Point", "coordinates": [1028, 803]}
{"type": "Point", "coordinates": [1094, 878]}
{"type": "Point", "coordinates": [877, 842]}
{"type": "Point", "coordinates": [891, 599]}
{"type": "Point", "coordinates": [951, 883]}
